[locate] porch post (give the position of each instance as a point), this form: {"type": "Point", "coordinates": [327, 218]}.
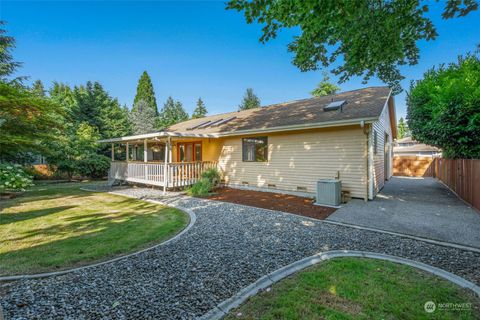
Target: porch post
{"type": "Point", "coordinates": [145, 157]}
{"type": "Point", "coordinates": [126, 156]}
{"type": "Point", "coordinates": [165, 165]}
{"type": "Point", "coordinates": [113, 152]}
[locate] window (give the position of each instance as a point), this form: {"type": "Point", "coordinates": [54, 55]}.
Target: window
{"type": "Point", "coordinates": [158, 152]}
{"type": "Point", "coordinates": [255, 149]}
{"type": "Point", "coordinates": [375, 142]}
{"type": "Point", "coordinates": [189, 151]}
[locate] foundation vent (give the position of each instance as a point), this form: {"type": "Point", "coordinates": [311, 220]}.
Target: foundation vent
{"type": "Point", "coordinates": [302, 189]}
{"type": "Point", "coordinates": [245, 183]}
{"type": "Point", "coordinates": [272, 185]}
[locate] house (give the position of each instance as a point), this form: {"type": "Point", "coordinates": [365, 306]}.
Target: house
{"type": "Point", "coordinates": [283, 147]}
{"type": "Point", "coordinates": [409, 147]}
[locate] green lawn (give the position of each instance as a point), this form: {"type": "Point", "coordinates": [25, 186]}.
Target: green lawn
{"type": "Point", "coordinates": [353, 288]}
{"type": "Point", "coordinates": [53, 227]}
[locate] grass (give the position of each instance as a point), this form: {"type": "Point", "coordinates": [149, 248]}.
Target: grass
{"type": "Point", "coordinates": [354, 288]}
{"type": "Point", "coordinates": [54, 227]}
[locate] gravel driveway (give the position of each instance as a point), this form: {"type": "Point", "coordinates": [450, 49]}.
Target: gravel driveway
{"type": "Point", "coordinates": [229, 247]}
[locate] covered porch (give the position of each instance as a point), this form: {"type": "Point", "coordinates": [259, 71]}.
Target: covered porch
{"type": "Point", "coordinates": [165, 159]}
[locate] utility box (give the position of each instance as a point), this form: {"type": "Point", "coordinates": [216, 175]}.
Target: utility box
{"type": "Point", "coordinates": [329, 193]}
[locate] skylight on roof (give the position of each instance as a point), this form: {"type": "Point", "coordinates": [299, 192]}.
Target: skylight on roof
{"type": "Point", "coordinates": [198, 126]}
{"type": "Point", "coordinates": [334, 105]}
{"type": "Point", "coordinates": [210, 124]}
{"type": "Point", "coordinates": [222, 122]}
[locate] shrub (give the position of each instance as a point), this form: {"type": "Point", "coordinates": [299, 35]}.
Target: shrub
{"type": "Point", "coordinates": [93, 165]}
{"type": "Point", "coordinates": [201, 188]}
{"type": "Point", "coordinates": [213, 176]}
{"type": "Point", "coordinates": [13, 177]}
{"type": "Point", "coordinates": [209, 180]}
{"type": "Point", "coordinates": [444, 108]}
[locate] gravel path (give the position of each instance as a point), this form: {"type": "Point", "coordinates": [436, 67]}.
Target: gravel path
{"type": "Point", "coordinates": [228, 248]}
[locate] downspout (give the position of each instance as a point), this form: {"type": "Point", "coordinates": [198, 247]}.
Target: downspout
{"type": "Point", "coordinates": [367, 181]}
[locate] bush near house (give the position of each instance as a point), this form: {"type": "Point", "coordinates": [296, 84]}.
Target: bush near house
{"type": "Point", "coordinates": [209, 180]}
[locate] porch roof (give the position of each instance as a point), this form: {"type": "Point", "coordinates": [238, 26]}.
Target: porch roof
{"type": "Point", "coordinates": [160, 134]}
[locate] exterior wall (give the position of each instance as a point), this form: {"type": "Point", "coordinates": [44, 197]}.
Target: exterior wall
{"type": "Point", "coordinates": [381, 159]}
{"type": "Point", "coordinates": [211, 149]}
{"type": "Point", "coordinates": [299, 159]}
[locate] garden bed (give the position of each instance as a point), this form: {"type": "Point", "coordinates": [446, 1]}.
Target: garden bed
{"type": "Point", "coordinates": [273, 201]}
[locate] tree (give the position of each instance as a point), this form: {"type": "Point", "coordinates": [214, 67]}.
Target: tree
{"type": "Point", "coordinates": [26, 121]}
{"type": "Point", "coordinates": [77, 152]}
{"type": "Point", "coordinates": [7, 65]}
{"type": "Point", "coordinates": [402, 129]}
{"type": "Point", "coordinates": [145, 92]}
{"type": "Point", "coordinates": [200, 111]}
{"type": "Point", "coordinates": [115, 121]}
{"type": "Point", "coordinates": [366, 38]}
{"type": "Point", "coordinates": [250, 100]}
{"type": "Point", "coordinates": [171, 113]}
{"type": "Point", "coordinates": [92, 104]}
{"type": "Point", "coordinates": [38, 88]}
{"type": "Point", "coordinates": [443, 109]}
{"type": "Point", "coordinates": [325, 87]}
{"type": "Point", "coordinates": [142, 118]}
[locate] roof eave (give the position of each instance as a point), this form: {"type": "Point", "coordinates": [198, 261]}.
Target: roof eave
{"type": "Point", "coordinates": [159, 135]}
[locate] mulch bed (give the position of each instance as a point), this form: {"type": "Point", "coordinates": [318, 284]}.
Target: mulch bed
{"type": "Point", "coordinates": [274, 201]}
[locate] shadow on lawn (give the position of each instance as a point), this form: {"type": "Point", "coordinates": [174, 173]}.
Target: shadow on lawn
{"type": "Point", "coordinates": [8, 218]}
{"type": "Point", "coordinates": [90, 237]}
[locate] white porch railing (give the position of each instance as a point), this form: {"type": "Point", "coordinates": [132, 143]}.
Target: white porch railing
{"type": "Point", "coordinates": [178, 174]}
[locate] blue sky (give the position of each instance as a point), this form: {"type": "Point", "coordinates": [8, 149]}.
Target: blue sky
{"type": "Point", "coordinates": [190, 49]}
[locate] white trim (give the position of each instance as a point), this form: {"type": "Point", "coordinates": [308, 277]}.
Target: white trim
{"type": "Point", "coordinates": [370, 168]}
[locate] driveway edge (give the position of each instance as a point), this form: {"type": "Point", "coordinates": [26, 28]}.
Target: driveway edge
{"type": "Point", "coordinates": [191, 214]}
{"type": "Point", "coordinates": [264, 282]}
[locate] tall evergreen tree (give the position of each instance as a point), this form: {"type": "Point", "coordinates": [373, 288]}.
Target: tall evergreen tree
{"type": "Point", "coordinates": [325, 87]}
{"type": "Point", "coordinates": [171, 113]}
{"type": "Point", "coordinates": [250, 100]}
{"type": "Point", "coordinates": [115, 121]}
{"type": "Point", "coordinates": [142, 118]}
{"type": "Point", "coordinates": [38, 88]}
{"type": "Point", "coordinates": [402, 129]}
{"type": "Point", "coordinates": [145, 92]}
{"type": "Point", "coordinates": [7, 65]}
{"type": "Point", "coordinates": [200, 111]}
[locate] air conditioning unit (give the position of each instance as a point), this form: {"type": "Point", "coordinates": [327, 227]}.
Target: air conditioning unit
{"type": "Point", "coordinates": [329, 193]}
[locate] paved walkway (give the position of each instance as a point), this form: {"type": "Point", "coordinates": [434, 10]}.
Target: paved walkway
{"type": "Point", "coordinates": [229, 247]}
{"type": "Point", "coordinates": [416, 206]}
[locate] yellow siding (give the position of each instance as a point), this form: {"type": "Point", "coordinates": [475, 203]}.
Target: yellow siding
{"type": "Point", "coordinates": [299, 159]}
{"type": "Point", "coordinates": [210, 148]}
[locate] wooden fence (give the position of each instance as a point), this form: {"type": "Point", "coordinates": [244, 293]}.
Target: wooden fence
{"type": "Point", "coordinates": [462, 176]}
{"type": "Point", "coordinates": [413, 166]}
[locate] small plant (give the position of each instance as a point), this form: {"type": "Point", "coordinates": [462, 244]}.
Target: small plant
{"type": "Point", "coordinates": [209, 180]}
{"type": "Point", "coordinates": [13, 178]}
{"type": "Point", "coordinates": [213, 176]}
{"type": "Point", "coordinates": [201, 188]}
